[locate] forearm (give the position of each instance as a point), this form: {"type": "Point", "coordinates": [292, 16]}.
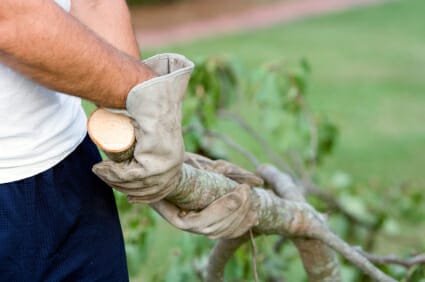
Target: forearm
{"type": "Point", "coordinates": [51, 47]}
{"type": "Point", "coordinates": [110, 20]}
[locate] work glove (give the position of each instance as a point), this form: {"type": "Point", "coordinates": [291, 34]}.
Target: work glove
{"type": "Point", "coordinates": [230, 216]}
{"type": "Point", "coordinates": [155, 107]}
{"type": "Point", "coordinates": [225, 168]}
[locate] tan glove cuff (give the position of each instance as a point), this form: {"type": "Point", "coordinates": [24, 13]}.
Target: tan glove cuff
{"type": "Point", "coordinates": [171, 68]}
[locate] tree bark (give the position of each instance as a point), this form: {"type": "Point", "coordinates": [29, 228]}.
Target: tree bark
{"type": "Point", "coordinates": [293, 219]}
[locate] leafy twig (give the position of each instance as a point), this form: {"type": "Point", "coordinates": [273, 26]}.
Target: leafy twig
{"type": "Point", "coordinates": [353, 256]}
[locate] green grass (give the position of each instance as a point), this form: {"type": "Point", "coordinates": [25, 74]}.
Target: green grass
{"type": "Point", "coordinates": [368, 76]}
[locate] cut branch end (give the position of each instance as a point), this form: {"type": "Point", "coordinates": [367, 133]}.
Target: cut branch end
{"type": "Point", "coordinates": [113, 133]}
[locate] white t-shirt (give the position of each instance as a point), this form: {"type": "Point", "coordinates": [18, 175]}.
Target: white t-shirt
{"type": "Point", "coordinates": [38, 127]}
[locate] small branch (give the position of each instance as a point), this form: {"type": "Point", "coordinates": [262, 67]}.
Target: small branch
{"type": "Point", "coordinates": [392, 259]}
{"type": "Point", "coordinates": [220, 255]}
{"type": "Point", "coordinates": [281, 183]}
{"type": "Point", "coordinates": [353, 256]}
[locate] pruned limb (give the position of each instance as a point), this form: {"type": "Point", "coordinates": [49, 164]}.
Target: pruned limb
{"type": "Point", "coordinates": [350, 254]}
{"type": "Point", "coordinates": [220, 255]}
{"type": "Point", "coordinates": [318, 259]}
{"type": "Point", "coordinates": [113, 133]}
{"type": "Point", "coordinates": [294, 219]}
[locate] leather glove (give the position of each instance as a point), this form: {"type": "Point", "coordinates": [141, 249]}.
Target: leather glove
{"type": "Point", "coordinates": [225, 168]}
{"type": "Point", "coordinates": [155, 106]}
{"type": "Point", "coordinates": [228, 217]}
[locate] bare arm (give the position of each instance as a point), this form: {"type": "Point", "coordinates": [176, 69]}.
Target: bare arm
{"type": "Point", "coordinates": [54, 49]}
{"type": "Point", "coordinates": [110, 20]}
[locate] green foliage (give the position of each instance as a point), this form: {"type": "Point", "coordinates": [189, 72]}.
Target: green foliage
{"type": "Point", "coordinates": [269, 99]}
{"type": "Point", "coordinates": [212, 87]}
{"type": "Point", "coordinates": [417, 274]}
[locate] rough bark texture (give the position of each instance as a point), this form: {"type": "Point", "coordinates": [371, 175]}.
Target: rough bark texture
{"type": "Point", "coordinates": [319, 260]}
{"type": "Point", "coordinates": [276, 216]}
{"type": "Point", "coordinates": [121, 156]}
{"type": "Point", "coordinates": [293, 219]}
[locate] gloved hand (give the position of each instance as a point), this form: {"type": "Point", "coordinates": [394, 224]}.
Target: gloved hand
{"type": "Point", "coordinates": [229, 216]}
{"type": "Point", "coordinates": [155, 106]}
{"type": "Point", "coordinates": [223, 167]}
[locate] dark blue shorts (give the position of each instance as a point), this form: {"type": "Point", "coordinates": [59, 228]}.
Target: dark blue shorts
{"type": "Point", "coordinates": [61, 225]}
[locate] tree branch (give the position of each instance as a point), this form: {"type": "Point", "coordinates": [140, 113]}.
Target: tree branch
{"type": "Point", "coordinates": [294, 219]}
{"type": "Point", "coordinates": [393, 259]}
{"type": "Point", "coordinates": [220, 255]}
{"type": "Point", "coordinates": [319, 261]}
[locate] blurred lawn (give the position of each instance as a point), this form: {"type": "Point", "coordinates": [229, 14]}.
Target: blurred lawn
{"type": "Point", "coordinates": [368, 76]}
